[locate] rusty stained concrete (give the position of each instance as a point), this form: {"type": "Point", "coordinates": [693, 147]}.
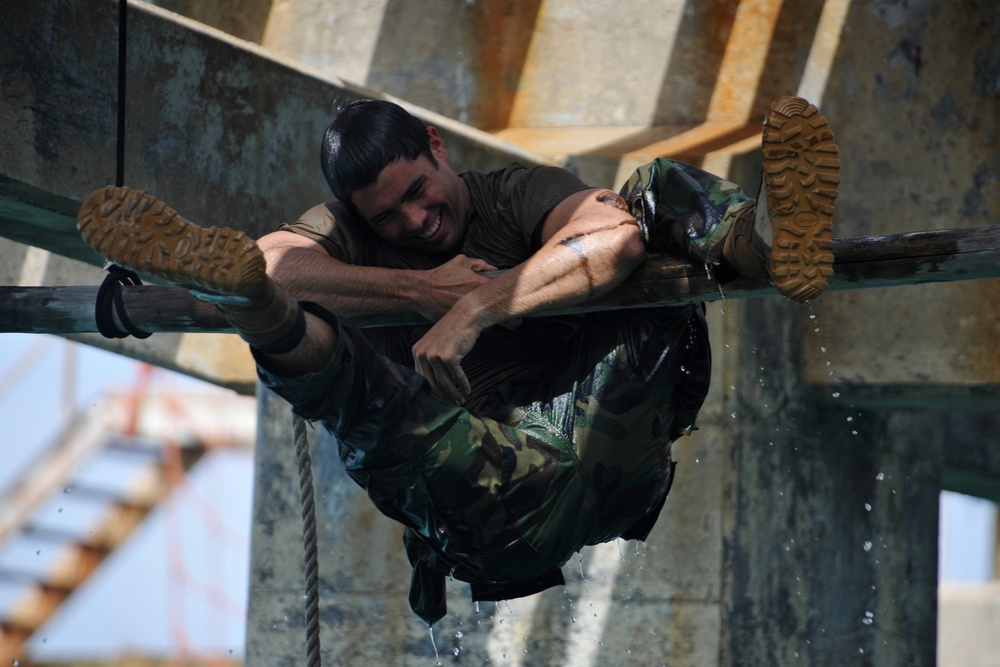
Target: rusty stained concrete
{"type": "Point", "coordinates": [916, 110]}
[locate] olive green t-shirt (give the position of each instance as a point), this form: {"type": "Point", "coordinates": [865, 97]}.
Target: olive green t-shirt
{"type": "Point", "coordinates": [503, 228]}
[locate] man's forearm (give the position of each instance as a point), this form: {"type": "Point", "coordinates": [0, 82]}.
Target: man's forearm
{"type": "Point", "coordinates": [341, 288]}
{"type": "Point", "coordinates": [564, 275]}
{"type": "Point", "coordinates": [584, 259]}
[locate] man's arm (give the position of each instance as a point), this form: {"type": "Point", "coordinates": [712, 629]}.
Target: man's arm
{"type": "Point", "coordinates": [591, 243]}
{"type": "Point", "coordinates": [306, 270]}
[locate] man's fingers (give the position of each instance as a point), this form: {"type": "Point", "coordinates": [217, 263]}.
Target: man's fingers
{"type": "Point", "coordinates": [448, 382]}
{"type": "Point", "coordinates": [451, 381]}
{"type": "Point", "coordinates": [480, 266]}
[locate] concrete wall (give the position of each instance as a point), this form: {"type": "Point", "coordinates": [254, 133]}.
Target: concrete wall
{"type": "Point", "coordinates": [969, 611]}
{"type": "Point", "coordinates": [224, 132]}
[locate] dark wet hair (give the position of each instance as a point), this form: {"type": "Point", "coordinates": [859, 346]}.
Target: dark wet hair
{"type": "Point", "coordinates": [366, 137]}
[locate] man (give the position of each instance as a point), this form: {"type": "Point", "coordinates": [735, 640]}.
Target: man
{"type": "Point", "coordinates": [502, 442]}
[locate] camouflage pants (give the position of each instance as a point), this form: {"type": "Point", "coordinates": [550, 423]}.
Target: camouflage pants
{"type": "Point", "coordinates": [683, 210]}
{"type": "Point", "coordinates": [504, 503]}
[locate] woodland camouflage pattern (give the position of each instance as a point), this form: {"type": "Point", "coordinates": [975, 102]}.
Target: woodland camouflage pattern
{"type": "Point", "coordinates": [503, 504]}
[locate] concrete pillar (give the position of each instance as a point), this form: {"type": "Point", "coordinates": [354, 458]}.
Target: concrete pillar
{"type": "Point", "coordinates": [831, 538]}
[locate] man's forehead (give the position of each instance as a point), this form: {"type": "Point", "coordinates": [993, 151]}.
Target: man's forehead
{"type": "Point", "coordinates": [392, 185]}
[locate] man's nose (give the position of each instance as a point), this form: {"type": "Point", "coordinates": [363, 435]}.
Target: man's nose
{"type": "Point", "coordinates": [414, 216]}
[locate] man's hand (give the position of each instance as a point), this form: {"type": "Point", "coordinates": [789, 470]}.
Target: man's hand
{"type": "Point", "coordinates": [438, 355]}
{"type": "Point", "coordinates": [450, 282]}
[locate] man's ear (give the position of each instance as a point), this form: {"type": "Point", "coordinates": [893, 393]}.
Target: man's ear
{"type": "Point", "coordinates": [437, 144]}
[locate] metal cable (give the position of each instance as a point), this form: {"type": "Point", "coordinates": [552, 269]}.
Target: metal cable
{"type": "Point", "coordinates": [309, 540]}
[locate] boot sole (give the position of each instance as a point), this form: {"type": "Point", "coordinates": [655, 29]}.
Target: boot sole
{"type": "Point", "coordinates": [801, 175]}
{"type": "Point", "coordinates": [137, 231]}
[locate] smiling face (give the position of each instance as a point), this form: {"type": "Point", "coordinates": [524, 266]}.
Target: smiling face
{"type": "Point", "coordinates": [414, 204]}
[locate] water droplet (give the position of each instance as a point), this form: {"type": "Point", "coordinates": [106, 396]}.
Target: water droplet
{"type": "Point", "coordinates": [868, 507]}
{"type": "Point", "coordinates": [850, 419]}
{"type": "Point", "coordinates": [822, 349]}
{"type": "Point", "coordinates": [437, 657]}
{"type": "Point", "coordinates": [67, 489]}
{"type": "Point", "coordinates": [836, 394]}
{"type": "Point", "coordinates": [869, 618]}
{"type": "Point", "coordinates": [868, 545]}
{"type": "Point", "coordinates": [880, 476]}
{"type": "Point", "coordinates": [459, 634]}
{"type": "Point", "coordinates": [861, 650]}
{"type": "Point", "coordinates": [733, 415]}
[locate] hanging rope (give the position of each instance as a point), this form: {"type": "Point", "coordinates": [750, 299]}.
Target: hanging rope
{"type": "Point", "coordinates": [122, 44]}
{"type": "Point", "coordinates": [309, 540]}
{"type": "Point", "coordinates": [110, 293]}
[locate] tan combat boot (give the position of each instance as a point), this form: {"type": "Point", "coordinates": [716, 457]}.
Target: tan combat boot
{"type": "Point", "coordinates": [787, 237]}
{"type": "Point", "coordinates": [137, 231]}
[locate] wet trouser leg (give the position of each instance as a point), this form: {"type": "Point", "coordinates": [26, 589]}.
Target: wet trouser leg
{"type": "Point", "coordinates": [683, 210]}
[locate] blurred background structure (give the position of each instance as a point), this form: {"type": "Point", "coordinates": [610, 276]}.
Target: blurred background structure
{"type": "Point", "coordinates": [805, 522]}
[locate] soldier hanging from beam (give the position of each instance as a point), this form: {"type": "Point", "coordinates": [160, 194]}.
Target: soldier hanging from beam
{"type": "Point", "coordinates": [502, 441]}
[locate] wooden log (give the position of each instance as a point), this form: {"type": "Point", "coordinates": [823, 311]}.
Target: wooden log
{"type": "Point", "coordinates": [860, 263]}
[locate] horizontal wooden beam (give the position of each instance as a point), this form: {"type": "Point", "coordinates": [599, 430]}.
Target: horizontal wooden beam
{"type": "Point", "coordinates": [861, 262]}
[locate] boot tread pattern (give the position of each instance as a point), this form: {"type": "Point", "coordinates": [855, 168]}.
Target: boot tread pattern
{"type": "Point", "coordinates": [135, 230]}
{"type": "Point", "coordinates": [801, 175]}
